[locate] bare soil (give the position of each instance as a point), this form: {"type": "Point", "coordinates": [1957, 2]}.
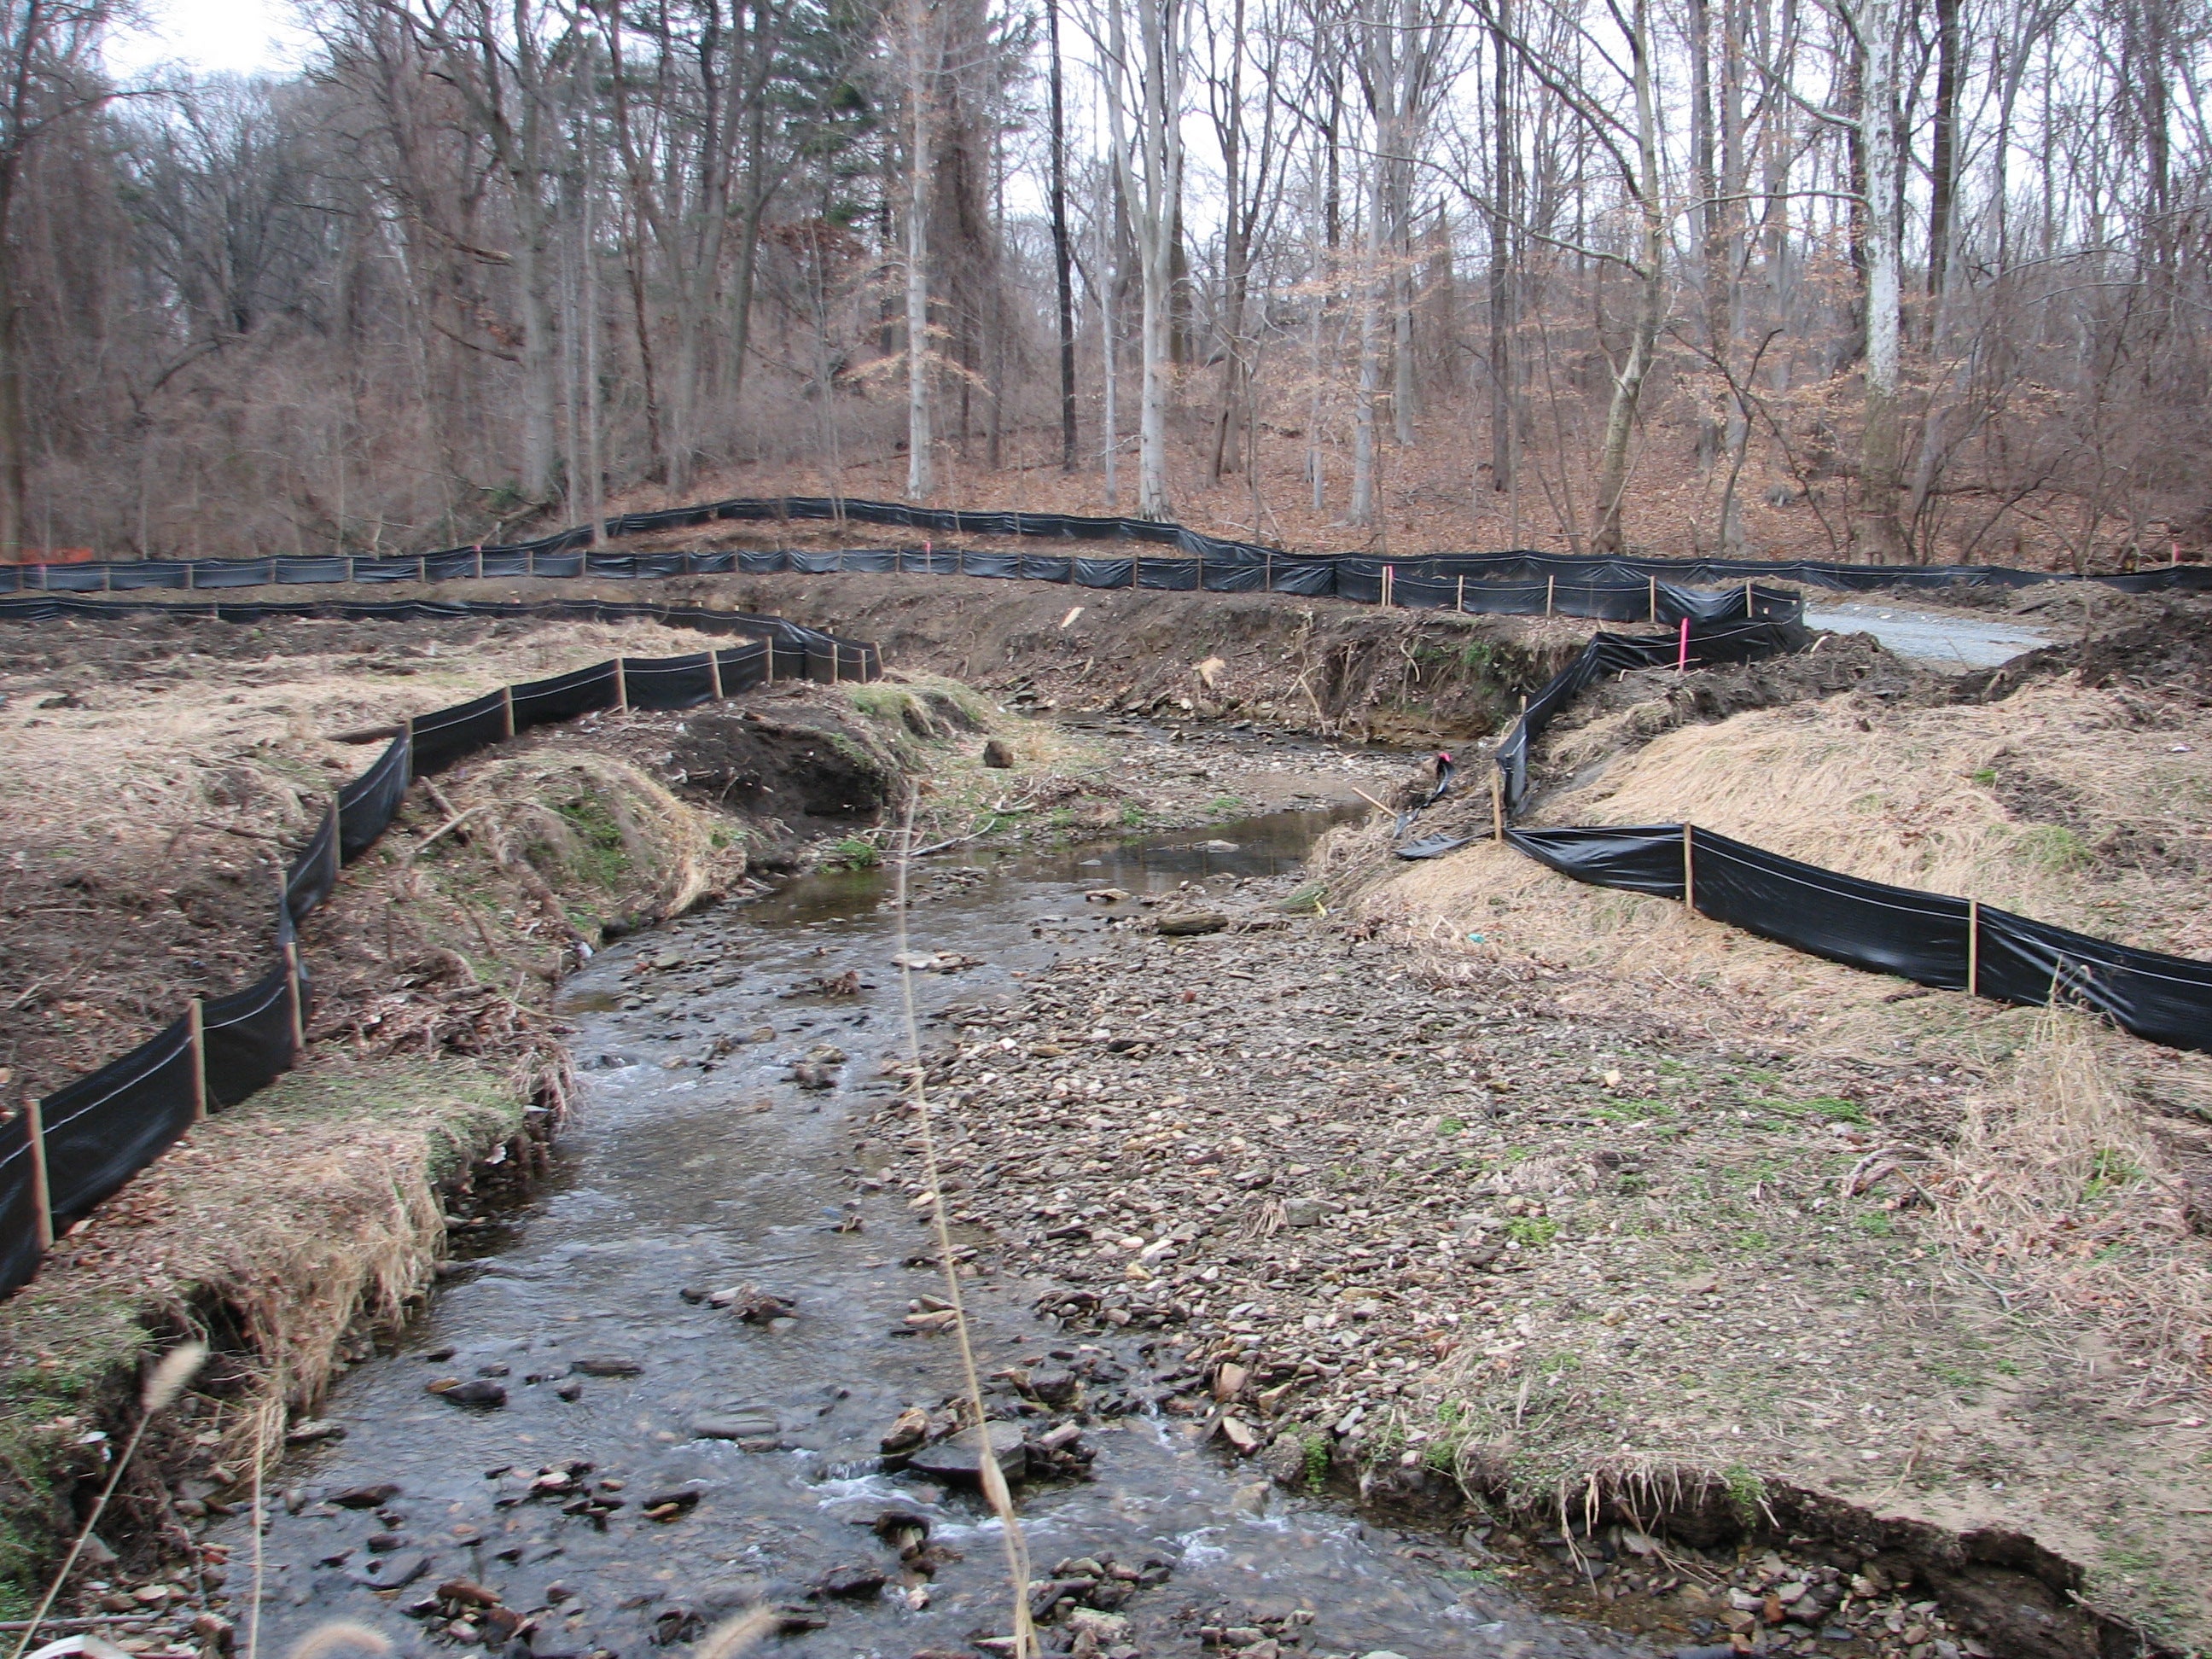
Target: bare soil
{"type": "Point", "coordinates": [1323, 665]}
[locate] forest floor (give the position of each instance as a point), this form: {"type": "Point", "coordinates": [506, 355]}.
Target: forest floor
{"type": "Point", "coordinates": [1432, 497]}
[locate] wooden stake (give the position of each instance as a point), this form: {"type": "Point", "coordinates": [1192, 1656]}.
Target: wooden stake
{"type": "Point", "coordinates": [1689, 874]}
{"type": "Point", "coordinates": [199, 1060]}
{"type": "Point", "coordinates": [1973, 947]}
{"type": "Point", "coordinates": [1267, 570]}
{"type": "Point", "coordinates": [337, 838]}
{"type": "Point", "coordinates": [1654, 581]}
{"type": "Point", "coordinates": [1459, 604]}
{"type": "Point", "coordinates": [1497, 805]}
{"type": "Point", "coordinates": [42, 1197]}
{"type": "Point", "coordinates": [1550, 590]}
{"type": "Point", "coordinates": [292, 993]}
{"type": "Point", "coordinates": [506, 711]}
{"type": "Point", "coordinates": [479, 561]}
{"type": "Point", "coordinates": [422, 568]}
{"type": "Point", "coordinates": [768, 645]}
{"type": "Point", "coordinates": [622, 686]}
{"type": "Point", "coordinates": [714, 672]}
{"type": "Point", "coordinates": [1748, 613]}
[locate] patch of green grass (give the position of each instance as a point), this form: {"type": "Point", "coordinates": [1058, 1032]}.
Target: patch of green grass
{"type": "Point", "coordinates": [1985, 776]}
{"type": "Point", "coordinates": [1132, 816]}
{"type": "Point", "coordinates": [2055, 847]}
{"type": "Point", "coordinates": [1532, 1232]}
{"type": "Point", "coordinates": [1745, 1491]}
{"type": "Point", "coordinates": [1878, 1224]}
{"type": "Point", "coordinates": [1633, 1111]}
{"type": "Point", "coordinates": [854, 853]}
{"type": "Point", "coordinates": [2110, 1168]}
{"type": "Point", "coordinates": [1224, 806]}
{"type": "Point", "coordinates": [1316, 1462]}
{"type": "Point", "coordinates": [603, 855]}
{"type": "Point", "coordinates": [1751, 1242]}
{"type": "Point", "coordinates": [1556, 1364]}
{"type": "Point", "coordinates": [1451, 1126]}
{"type": "Point", "coordinates": [1838, 1110]}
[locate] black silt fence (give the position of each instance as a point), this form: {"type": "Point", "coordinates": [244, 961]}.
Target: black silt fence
{"type": "Point", "coordinates": [72, 1150]}
{"type": "Point", "coordinates": [1931, 939]}
{"type": "Point", "coordinates": [1214, 564]}
{"type": "Point", "coordinates": [1702, 645]}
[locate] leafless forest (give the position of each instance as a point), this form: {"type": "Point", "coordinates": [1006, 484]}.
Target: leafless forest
{"type": "Point", "coordinates": [1885, 279]}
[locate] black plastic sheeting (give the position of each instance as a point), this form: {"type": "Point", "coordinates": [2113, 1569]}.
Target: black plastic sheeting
{"type": "Point", "coordinates": [793, 644]}
{"type": "Point", "coordinates": [102, 1129]}
{"type": "Point", "coordinates": [1931, 939]}
{"type": "Point", "coordinates": [248, 1036]}
{"type": "Point", "coordinates": [1614, 653]}
{"type": "Point", "coordinates": [19, 1204]}
{"type": "Point", "coordinates": [1211, 562]}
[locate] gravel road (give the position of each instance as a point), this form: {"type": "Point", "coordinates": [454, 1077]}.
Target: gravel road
{"type": "Point", "coordinates": [1939, 639]}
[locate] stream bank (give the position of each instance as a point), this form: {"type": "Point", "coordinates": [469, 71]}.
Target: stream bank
{"type": "Point", "coordinates": [682, 1361]}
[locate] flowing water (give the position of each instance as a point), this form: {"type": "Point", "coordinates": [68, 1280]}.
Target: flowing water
{"type": "Point", "coordinates": [672, 1178]}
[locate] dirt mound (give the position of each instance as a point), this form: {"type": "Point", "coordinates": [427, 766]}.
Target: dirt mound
{"type": "Point", "coordinates": [1320, 665]}
{"type": "Point", "coordinates": [2171, 654]}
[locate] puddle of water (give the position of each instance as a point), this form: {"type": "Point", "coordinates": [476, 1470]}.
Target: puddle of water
{"type": "Point", "coordinates": [674, 1178]}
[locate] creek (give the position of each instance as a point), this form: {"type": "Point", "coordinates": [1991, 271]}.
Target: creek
{"type": "Point", "coordinates": [675, 1176]}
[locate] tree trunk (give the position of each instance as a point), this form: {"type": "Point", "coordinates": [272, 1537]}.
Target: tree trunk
{"type": "Point", "coordinates": [1062, 256]}
{"type": "Point", "coordinates": [1876, 533]}
{"type": "Point", "coordinates": [919, 473]}
{"type": "Point", "coordinates": [1943, 166]}
{"type": "Point", "coordinates": [1650, 301]}
{"type": "Point", "coordinates": [1502, 210]}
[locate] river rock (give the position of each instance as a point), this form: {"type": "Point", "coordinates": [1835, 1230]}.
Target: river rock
{"type": "Point", "coordinates": [1055, 1385]}
{"type": "Point", "coordinates": [999, 754]}
{"type": "Point", "coordinates": [736, 1425]}
{"type": "Point", "coordinates": [606, 1364]}
{"type": "Point", "coordinates": [366, 1498]}
{"type": "Point", "coordinates": [953, 1460]}
{"type": "Point", "coordinates": [1186, 923]}
{"type": "Point", "coordinates": [477, 1393]}
{"type": "Point", "coordinates": [391, 1572]}
{"type": "Point", "coordinates": [857, 1584]}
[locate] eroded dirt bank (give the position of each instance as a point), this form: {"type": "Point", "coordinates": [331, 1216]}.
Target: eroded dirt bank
{"type": "Point", "coordinates": [1323, 665]}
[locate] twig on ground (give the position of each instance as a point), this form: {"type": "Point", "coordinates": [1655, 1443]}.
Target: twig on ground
{"type": "Point", "coordinates": [993, 1479]}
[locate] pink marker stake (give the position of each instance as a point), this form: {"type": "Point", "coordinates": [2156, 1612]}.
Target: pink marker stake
{"type": "Point", "coordinates": [1682, 663]}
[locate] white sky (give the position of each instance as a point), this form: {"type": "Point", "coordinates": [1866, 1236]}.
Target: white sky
{"type": "Point", "coordinates": [237, 37]}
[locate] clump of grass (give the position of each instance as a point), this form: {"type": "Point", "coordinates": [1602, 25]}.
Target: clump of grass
{"type": "Point", "coordinates": [852, 853]}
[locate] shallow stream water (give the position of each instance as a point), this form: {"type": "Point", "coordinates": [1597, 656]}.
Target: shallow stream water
{"type": "Point", "coordinates": [672, 1178]}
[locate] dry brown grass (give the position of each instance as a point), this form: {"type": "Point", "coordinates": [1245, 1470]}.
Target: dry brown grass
{"type": "Point", "coordinates": [561, 809]}
{"type": "Point", "coordinates": [2056, 1183]}
{"type": "Point", "coordinates": [2059, 803]}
